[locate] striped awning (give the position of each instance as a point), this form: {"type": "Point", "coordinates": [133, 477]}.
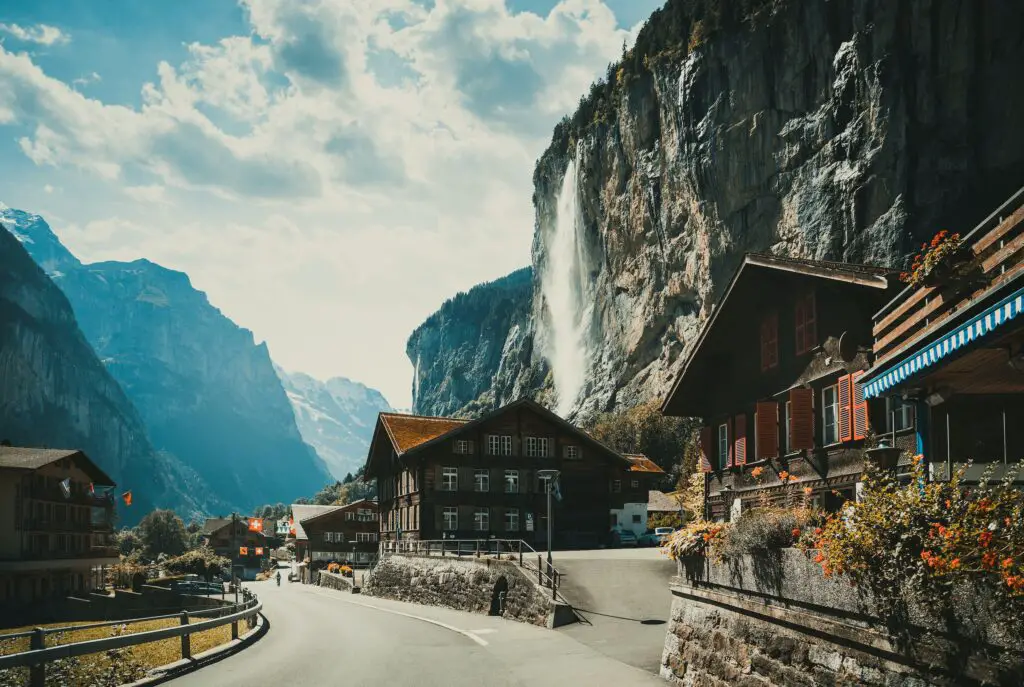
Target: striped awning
{"type": "Point", "coordinates": [974, 329]}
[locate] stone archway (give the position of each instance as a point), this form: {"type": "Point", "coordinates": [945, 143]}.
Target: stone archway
{"type": "Point", "coordinates": [498, 596]}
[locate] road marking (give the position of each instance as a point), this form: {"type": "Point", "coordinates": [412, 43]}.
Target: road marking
{"type": "Point", "coordinates": [466, 633]}
{"type": "Point", "coordinates": [485, 631]}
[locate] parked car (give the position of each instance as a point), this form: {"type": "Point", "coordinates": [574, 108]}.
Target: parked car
{"type": "Point", "coordinates": [623, 538]}
{"type": "Point", "coordinates": [663, 533]}
{"type": "Point", "coordinates": [648, 538]}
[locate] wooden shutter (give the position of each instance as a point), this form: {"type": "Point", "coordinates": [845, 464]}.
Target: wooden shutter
{"type": "Point", "coordinates": [770, 341]}
{"type": "Point", "coordinates": [845, 410]}
{"type": "Point", "coordinates": [859, 406]}
{"type": "Point", "coordinates": [766, 431]}
{"type": "Point", "coordinates": [740, 440]}
{"type": "Point", "coordinates": [801, 419]}
{"type": "Point", "coordinates": [798, 329]}
{"type": "Point", "coordinates": [705, 449]}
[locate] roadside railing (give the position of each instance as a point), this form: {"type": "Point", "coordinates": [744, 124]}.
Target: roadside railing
{"type": "Point", "coordinates": [514, 550]}
{"type": "Point", "coordinates": [39, 654]}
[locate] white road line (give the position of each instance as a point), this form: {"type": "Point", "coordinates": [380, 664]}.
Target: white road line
{"type": "Point", "coordinates": [485, 631]}
{"type": "Point", "coordinates": [479, 640]}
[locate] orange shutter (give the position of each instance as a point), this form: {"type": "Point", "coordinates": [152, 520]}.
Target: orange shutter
{"type": "Point", "coordinates": [801, 419]}
{"type": "Point", "coordinates": [859, 405]}
{"type": "Point", "coordinates": [766, 431]}
{"type": "Point", "coordinates": [843, 399]}
{"type": "Point", "coordinates": [739, 451]}
{"type": "Point", "coordinates": [705, 449]}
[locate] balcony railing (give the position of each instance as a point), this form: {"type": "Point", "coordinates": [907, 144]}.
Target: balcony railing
{"type": "Point", "coordinates": [51, 525]}
{"type": "Point", "coordinates": [997, 244]}
{"type": "Point", "coordinates": [76, 498]}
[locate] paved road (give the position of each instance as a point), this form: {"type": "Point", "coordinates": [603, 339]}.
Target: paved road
{"type": "Point", "coordinates": [323, 637]}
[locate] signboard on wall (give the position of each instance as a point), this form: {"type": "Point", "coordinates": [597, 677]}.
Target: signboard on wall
{"type": "Point", "coordinates": [529, 522]}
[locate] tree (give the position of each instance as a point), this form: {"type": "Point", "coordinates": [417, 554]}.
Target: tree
{"type": "Point", "coordinates": [348, 479]}
{"type": "Point", "coordinates": [643, 429]}
{"type": "Point", "coordinates": [128, 541]}
{"type": "Point", "coordinates": [202, 561]}
{"type": "Point", "coordinates": [162, 531]}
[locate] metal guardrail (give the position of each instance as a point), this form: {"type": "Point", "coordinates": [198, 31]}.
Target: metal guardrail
{"type": "Point", "coordinates": [39, 655]}
{"type": "Point", "coordinates": [515, 550]}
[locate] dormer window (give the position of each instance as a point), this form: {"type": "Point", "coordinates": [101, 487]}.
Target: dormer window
{"type": "Point", "coordinates": [769, 341]}
{"type": "Point", "coordinates": [806, 324]}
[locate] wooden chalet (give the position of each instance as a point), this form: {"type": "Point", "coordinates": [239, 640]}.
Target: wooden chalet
{"type": "Point", "coordinates": [951, 353]}
{"type": "Point", "coordinates": [441, 478]}
{"type": "Point", "coordinates": [342, 534]}
{"type": "Point", "coordinates": [776, 375]}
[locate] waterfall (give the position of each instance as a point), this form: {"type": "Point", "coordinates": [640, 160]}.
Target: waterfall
{"type": "Point", "coordinates": [567, 296]}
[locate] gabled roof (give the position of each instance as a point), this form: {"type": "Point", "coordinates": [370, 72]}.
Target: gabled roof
{"type": "Point", "coordinates": [880, 279]}
{"type": "Point", "coordinates": [641, 463]}
{"type": "Point", "coordinates": [409, 431]}
{"type": "Point", "coordinates": [212, 525]}
{"type": "Point", "coordinates": [20, 458]}
{"type": "Point", "coordinates": [457, 427]}
{"type": "Point", "coordinates": [660, 502]}
{"type": "Point", "coordinates": [361, 503]}
{"type": "Point", "coordinates": [301, 513]}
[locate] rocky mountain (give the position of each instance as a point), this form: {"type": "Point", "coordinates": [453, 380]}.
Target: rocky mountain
{"type": "Point", "coordinates": [206, 392]}
{"type": "Point", "coordinates": [54, 391]}
{"type": "Point", "coordinates": [847, 130]}
{"type": "Point", "coordinates": [475, 343]}
{"type": "Point", "coordinates": [335, 417]}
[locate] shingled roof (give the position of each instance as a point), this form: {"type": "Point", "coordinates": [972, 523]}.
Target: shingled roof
{"type": "Point", "coordinates": [301, 512]}
{"type": "Point", "coordinates": [641, 463]}
{"type": "Point", "coordinates": [409, 431]}
{"type": "Point", "coordinates": [21, 458]}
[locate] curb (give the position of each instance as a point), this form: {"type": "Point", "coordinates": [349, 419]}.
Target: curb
{"type": "Point", "coordinates": [184, 666]}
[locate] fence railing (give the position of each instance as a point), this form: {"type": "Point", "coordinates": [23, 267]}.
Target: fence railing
{"type": "Point", "coordinates": [514, 550]}
{"type": "Point", "coordinates": [39, 654]}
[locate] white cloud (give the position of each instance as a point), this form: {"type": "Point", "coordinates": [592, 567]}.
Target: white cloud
{"type": "Point", "coordinates": [86, 80]}
{"type": "Point", "coordinates": [339, 172]}
{"type": "Point", "coordinates": [48, 189]}
{"type": "Point", "coordinates": [40, 33]}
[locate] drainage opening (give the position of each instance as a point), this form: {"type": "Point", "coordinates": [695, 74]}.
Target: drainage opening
{"type": "Point", "coordinates": [652, 621]}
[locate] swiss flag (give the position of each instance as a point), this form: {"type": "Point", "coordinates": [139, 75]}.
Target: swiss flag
{"type": "Point", "coordinates": [259, 550]}
{"type": "Point", "coordinates": [255, 524]}
{"type": "Point", "coordinates": [243, 550]}
{"type": "Point", "coordinates": [127, 496]}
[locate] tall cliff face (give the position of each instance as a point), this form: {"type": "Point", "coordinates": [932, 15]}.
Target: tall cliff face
{"type": "Point", "coordinates": [474, 353]}
{"type": "Point", "coordinates": [847, 130]}
{"type": "Point", "coordinates": [335, 417]}
{"type": "Point", "coordinates": [54, 391]}
{"type": "Point", "coordinates": [206, 392]}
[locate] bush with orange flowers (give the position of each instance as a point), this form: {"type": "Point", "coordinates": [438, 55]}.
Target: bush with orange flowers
{"type": "Point", "coordinates": [696, 539]}
{"type": "Point", "coordinates": [933, 536]}
{"type": "Point", "coordinates": [932, 254]}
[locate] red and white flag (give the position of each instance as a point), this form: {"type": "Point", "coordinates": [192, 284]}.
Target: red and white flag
{"type": "Point", "coordinates": [255, 524]}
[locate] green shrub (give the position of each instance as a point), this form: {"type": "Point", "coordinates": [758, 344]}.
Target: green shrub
{"type": "Point", "coordinates": [760, 530]}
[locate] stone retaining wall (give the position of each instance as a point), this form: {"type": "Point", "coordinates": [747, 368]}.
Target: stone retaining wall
{"type": "Point", "coordinates": [777, 620]}
{"type": "Point", "coordinates": [334, 581]}
{"type": "Point", "coordinates": [466, 585]}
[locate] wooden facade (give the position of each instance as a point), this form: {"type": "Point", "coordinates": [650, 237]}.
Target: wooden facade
{"type": "Point", "coordinates": [344, 534]}
{"type": "Point", "coordinates": [446, 478]}
{"type": "Point", "coordinates": [776, 375]}
{"type": "Point", "coordinates": [953, 350]}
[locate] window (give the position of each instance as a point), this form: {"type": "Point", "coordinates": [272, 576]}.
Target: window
{"type": "Point", "coordinates": [572, 452]}
{"type": "Point", "coordinates": [350, 515]}
{"type": "Point", "coordinates": [542, 483]}
{"type": "Point", "coordinates": [451, 518]}
{"type": "Point", "coordinates": [481, 480]}
{"type": "Point", "coordinates": [462, 446]}
{"type": "Point", "coordinates": [366, 536]}
{"type": "Point", "coordinates": [806, 324]}
{"type": "Point", "coordinates": [536, 447]}
{"type": "Point", "coordinates": [829, 416]}
{"type": "Point", "coordinates": [785, 437]}
{"type": "Point", "coordinates": [616, 486]}
{"type": "Point", "coordinates": [636, 518]}
{"type": "Point", "coordinates": [481, 520]}
{"type": "Point", "coordinates": [449, 479]}
{"type": "Point", "coordinates": [499, 445]}
{"type": "Point", "coordinates": [512, 520]}
{"type": "Point", "coordinates": [365, 515]}
{"type": "Point", "coordinates": [723, 445]}
{"type": "Point", "coordinates": [635, 484]}
{"type": "Point", "coordinates": [770, 341]}
{"type": "Point", "coordinates": [899, 414]}
{"type": "Point", "coordinates": [511, 481]}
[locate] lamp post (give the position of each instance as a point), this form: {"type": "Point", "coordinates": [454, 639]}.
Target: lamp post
{"type": "Point", "coordinates": [549, 476]}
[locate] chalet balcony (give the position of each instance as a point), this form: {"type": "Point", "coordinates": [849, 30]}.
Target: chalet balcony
{"type": "Point", "coordinates": [56, 495]}
{"type": "Point", "coordinates": [51, 525]}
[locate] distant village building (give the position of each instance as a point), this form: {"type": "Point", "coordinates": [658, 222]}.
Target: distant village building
{"type": "Point", "coordinates": [448, 478]}
{"type": "Point", "coordinates": [345, 534]}
{"type": "Point", "coordinates": [777, 374]}
{"type": "Point", "coordinates": [949, 354]}
{"type": "Point", "coordinates": [244, 547]}
{"type": "Point", "coordinates": [56, 525]}
{"type": "Point", "coordinates": [661, 504]}
{"type": "Point", "coordinates": [642, 475]}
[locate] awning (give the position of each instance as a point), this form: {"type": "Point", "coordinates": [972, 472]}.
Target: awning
{"type": "Point", "coordinates": [974, 329]}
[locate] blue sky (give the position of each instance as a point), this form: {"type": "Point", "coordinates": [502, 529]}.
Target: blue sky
{"type": "Point", "coordinates": [328, 171]}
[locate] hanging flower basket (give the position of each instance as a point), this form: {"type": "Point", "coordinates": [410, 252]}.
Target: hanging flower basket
{"type": "Point", "coordinates": [940, 261]}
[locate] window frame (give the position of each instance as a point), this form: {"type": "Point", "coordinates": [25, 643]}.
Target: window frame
{"type": "Point", "coordinates": [906, 411]}
{"type": "Point", "coordinates": [450, 524]}
{"type": "Point", "coordinates": [634, 484]}
{"type": "Point", "coordinates": [462, 446]}
{"type": "Point", "coordinates": [512, 524]}
{"type": "Point", "coordinates": [723, 446]}
{"type": "Point", "coordinates": [572, 452]}
{"type": "Point", "coordinates": [482, 519]}
{"type": "Point", "coordinates": [770, 341]}
{"type": "Point", "coordinates": [805, 329]}
{"type": "Point", "coordinates": [446, 473]}
{"type": "Point", "coordinates": [616, 486]}
{"type": "Point", "coordinates": [788, 421]}
{"type": "Point", "coordinates": [537, 447]}
{"type": "Point", "coordinates": [499, 444]}
{"type": "Point", "coordinates": [834, 407]}
{"type": "Point", "coordinates": [514, 474]}
{"type": "Point", "coordinates": [481, 485]}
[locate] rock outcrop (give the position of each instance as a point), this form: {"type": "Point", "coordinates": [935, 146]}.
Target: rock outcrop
{"type": "Point", "coordinates": [335, 417]}
{"type": "Point", "coordinates": [848, 130]}
{"type": "Point", "coordinates": [206, 392]}
{"type": "Point", "coordinates": [54, 391]}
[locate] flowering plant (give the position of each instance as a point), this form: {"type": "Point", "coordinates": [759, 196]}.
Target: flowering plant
{"type": "Point", "coordinates": [695, 539]}
{"type": "Point", "coordinates": [934, 536]}
{"type": "Point", "coordinates": [931, 255]}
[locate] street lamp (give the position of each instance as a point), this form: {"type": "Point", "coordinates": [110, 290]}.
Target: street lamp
{"type": "Point", "coordinates": [549, 476]}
